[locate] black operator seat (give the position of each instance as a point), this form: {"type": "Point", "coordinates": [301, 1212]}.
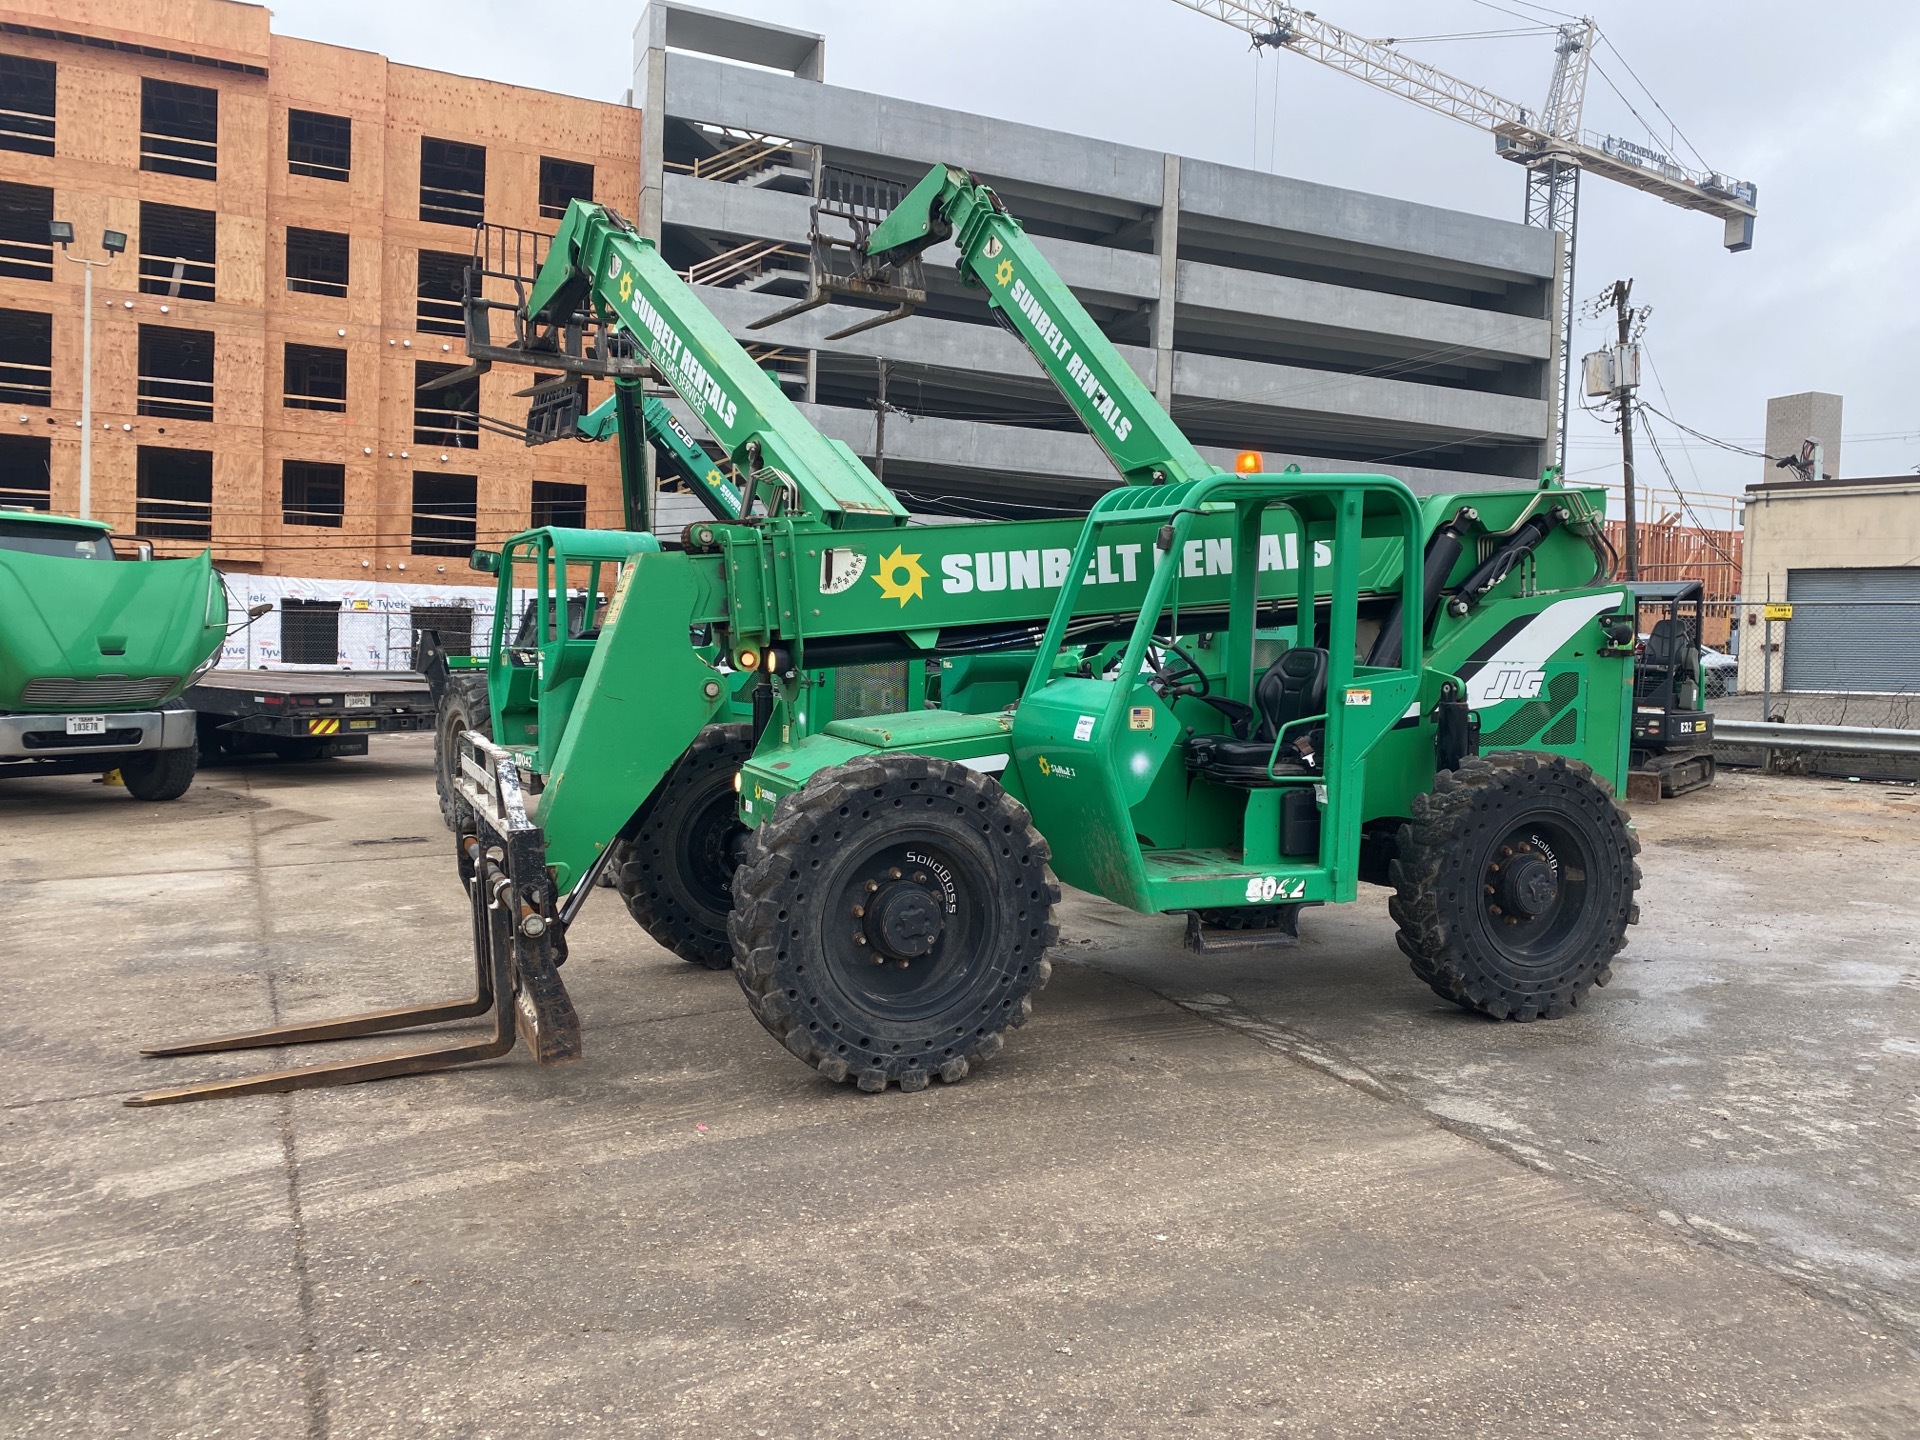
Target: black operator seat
{"type": "Point", "coordinates": [1669, 652]}
{"type": "Point", "coordinates": [1293, 687]}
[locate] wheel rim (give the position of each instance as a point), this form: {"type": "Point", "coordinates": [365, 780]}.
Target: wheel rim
{"type": "Point", "coordinates": [906, 921]}
{"type": "Point", "coordinates": [706, 852]}
{"type": "Point", "coordinates": [1535, 881]}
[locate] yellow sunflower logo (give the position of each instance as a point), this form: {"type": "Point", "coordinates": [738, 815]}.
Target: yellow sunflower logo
{"type": "Point", "coordinates": [899, 576]}
{"type": "Point", "coordinates": [626, 286]}
{"type": "Point", "coordinates": [1045, 768]}
{"type": "Point", "coordinates": [1005, 272]}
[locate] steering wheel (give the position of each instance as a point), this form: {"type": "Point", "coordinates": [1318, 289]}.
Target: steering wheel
{"type": "Point", "coordinates": [1170, 682]}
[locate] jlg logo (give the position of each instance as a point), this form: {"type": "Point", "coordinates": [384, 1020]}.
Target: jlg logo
{"type": "Point", "coordinates": [1514, 682]}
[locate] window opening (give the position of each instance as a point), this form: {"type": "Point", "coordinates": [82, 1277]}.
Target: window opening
{"type": "Point", "coordinates": [26, 471]}
{"type": "Point", "coordinates": [440, 288]}
{"type": "Point", "coordinates": [453, 181]}
{"type": "Point", "coordinates": [176, 373]}
{"type": "Point", "coordinates": [319, 145]}
{"type": "Point", "coordinates": [316, 379]}
{"type": "Point", "coordinates": [26, 246]}
{"type": "Point", "coordinates": [174, 495]}
{"type": "Point", "coordinates": [313, 492]}
{"type": "Point", "coordinates": [446, 415]}
{"type": "Point", "coordinates": [445, 513]}
{"type": "Point", "coordinates": [557, 503]}
{"type": "Point", "coordinates": [27, 90]}
{"type": "Point", "coordinates": [316, 262]}
{"type": "Point", "coordinates": [560, 182]}
{"type": "Point", "coordinates": [26, 358]}
{"type": "Point", "coordinates": [177, 253]}
{"type": "Point", "coordinates": [179, 129]}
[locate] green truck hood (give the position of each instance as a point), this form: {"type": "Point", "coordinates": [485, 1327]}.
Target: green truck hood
{"type": "Point", "coordinates": [90, 620]}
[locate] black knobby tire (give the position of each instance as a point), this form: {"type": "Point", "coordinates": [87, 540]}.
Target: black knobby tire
{"type": "Point", "coordinates": [160, 774]}
{"type": "Point", "coordinates": [892, 919]}
{"type": "Point", "coordinates": [676, 873]}
{"type": "Point", "coordinates": [464, 705]}
{"type": "Point", "coordinates": [1515, 884]}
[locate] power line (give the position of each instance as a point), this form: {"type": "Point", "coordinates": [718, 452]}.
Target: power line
{"type": "Point", "coordinates": [1706, 532]}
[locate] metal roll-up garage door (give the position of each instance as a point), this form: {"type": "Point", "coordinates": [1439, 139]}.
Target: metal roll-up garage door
{"type": "Point", "coordinates": [1854, 630]}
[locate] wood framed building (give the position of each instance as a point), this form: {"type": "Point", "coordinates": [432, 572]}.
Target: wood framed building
{"type": "Point", "coordinates": [297, 216]}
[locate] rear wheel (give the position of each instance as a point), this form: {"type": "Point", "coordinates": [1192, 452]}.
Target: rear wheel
{"type": "Point", "coordinates": [160, 774]}
{"type": "Point", "coordinates": [891, 920]}
{"type": "Point", "coordinates": [1514, 884]}
{"type": "Point", "coordinates": [676, 874]}
{"type": "Point", "coordinates": [463, 706]}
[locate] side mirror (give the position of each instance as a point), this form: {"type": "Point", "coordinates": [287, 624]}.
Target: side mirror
{"type": "Point", "coordinates": [265, 607]}
{"type": "Point", "coordinates": [485, 561]}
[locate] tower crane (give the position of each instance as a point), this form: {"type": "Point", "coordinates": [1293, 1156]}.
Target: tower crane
{"type": "Point", "coordinates": [1548, 143]}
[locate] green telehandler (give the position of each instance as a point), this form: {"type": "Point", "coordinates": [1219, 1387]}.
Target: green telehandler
{"type": "Point", "coordinates": [1231, 696]}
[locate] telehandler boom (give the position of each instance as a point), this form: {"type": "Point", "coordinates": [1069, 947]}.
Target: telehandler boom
{"type": "Point", "coordinates": [1232, 696]}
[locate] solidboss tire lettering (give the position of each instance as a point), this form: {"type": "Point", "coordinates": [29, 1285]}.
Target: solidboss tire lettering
{"type": "Point", "coordinates": [892, 919]}
{"type": "Point", "coordinates": [1514, 884]}
{"type": "Point", "coordinates": [676, 874]}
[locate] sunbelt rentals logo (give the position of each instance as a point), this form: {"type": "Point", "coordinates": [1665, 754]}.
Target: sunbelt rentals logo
{"type": "Point", "coordinates": [900, 576]}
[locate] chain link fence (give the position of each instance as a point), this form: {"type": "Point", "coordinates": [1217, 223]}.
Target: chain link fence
{"type": "Point", "coordinates": [1818, 662]}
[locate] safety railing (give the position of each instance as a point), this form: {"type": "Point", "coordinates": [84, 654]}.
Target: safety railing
{"type": "Point", "coordinates": [166, 398]}
{"type": "Point", "coordinates": [179, 278]}
{"type": "Point", "coordinates": [178, 155]}
{"type": "Point", "coordinates": [26, 259]}
{"type": "Point", "coordinates": [25, 384]}
{"type": "Point", "coordinates": [747, 261]}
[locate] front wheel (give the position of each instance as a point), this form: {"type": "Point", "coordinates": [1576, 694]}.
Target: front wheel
{"type": "Point", "coordinates": [676, 874]}
{"type": "Point", "coordinates": [1514, 884]}
{"type": "Point", "coordinates": [464, 706]}
{"type": "Point", "coordinates": [160, 774]}
{"type": "Point", "coordinates": [891, 920]}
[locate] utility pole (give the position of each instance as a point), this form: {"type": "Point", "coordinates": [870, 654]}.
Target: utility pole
{"type": "Point", "coordinates": [113, 242]}
{"type": "Point", "coordinates": [1625, 378]}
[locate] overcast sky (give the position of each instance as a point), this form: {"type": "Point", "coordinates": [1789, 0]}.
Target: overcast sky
{"type": "Point", "coordinates": [1820, 106]}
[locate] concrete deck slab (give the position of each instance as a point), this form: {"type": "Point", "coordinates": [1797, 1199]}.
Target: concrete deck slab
{"type": "Point", "coordinates": [1136, 1221]}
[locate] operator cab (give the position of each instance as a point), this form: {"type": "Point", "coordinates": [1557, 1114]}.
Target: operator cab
{"type": "Point", "coordinates": [1672, 735]}
{"type": "Point", "coordinates": [1217, 762]}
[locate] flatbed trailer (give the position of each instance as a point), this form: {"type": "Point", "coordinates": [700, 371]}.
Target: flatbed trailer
{"type": "Point", "coordinates": [305, 714]}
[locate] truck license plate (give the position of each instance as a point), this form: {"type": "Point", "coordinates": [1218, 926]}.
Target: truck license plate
{"type": "Point", "coordinates": [86, 724]}
{"type": "Point", "coordinates": [359, 702]}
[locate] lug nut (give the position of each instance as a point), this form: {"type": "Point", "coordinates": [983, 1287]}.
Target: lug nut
{"type": "Point", "coordinates": [859, 911]}
{"type": "Point", "coordinates": [858, 938]}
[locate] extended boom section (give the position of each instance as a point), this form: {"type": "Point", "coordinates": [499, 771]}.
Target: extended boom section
{"type": "Point", "coordinates": [1115, 405]}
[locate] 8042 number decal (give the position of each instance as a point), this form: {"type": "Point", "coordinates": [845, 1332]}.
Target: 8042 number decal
{"type": "Point", "coordinates": [1264, 889]}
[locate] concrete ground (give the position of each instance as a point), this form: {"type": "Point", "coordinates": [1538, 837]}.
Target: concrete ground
{"type": "Point", "coordinates": [1299, 1197]}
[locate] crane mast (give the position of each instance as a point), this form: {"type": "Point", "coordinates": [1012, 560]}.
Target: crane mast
{"type": "Point", "coordinates": [1549, 143]}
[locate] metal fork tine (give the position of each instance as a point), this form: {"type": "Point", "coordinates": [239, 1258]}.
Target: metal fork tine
{"type": "Point", "coordinates": [515, 969]}
{"type": "Point", "coordinates": [345, 1027]}
{"type": "Point", "coordinates": [347, 1072]}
